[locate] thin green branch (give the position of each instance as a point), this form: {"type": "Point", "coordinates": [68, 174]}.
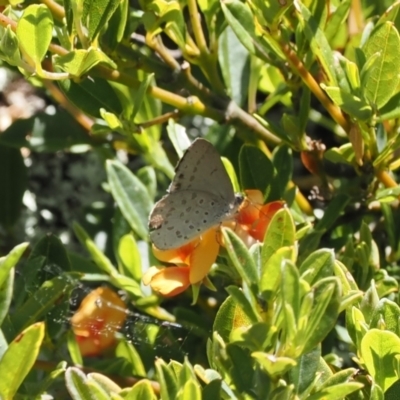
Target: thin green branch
{"type": "Point", "coordinates": [196, 26]}
{"type": "Point", "coordinates": [57, 11]}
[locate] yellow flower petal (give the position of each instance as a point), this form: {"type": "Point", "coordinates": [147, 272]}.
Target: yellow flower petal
{"type": "Point", "coordinates": [176, 256]}
{"type": "Point", "coordinates": [171, 281]}
{"type": "Point", "coordinates": [148, 275]}
{"type": "Point", "coordinates": [204, 255]}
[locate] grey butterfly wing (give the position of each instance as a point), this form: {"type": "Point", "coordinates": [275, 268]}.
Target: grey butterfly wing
{"type": "Point", "coordinates": [199, 197]}
{"type": "Point", "coordinates": [201, 169]}
{"type": "Point", "coordinates": [181, 216]}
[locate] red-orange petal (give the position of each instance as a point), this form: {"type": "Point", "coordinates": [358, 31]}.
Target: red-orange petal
{"type": "Point", "coordinates": [267, 211]}
{"type": "Point", "coordinates": [250, 209]}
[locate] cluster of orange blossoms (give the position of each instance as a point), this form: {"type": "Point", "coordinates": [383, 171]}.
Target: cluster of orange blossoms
{"type": "Point", "coordinates": [194, 260]}
{"type": "Point", "coordinates": [100, 315]}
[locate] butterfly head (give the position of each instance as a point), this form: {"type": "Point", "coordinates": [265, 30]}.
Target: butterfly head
{"type": "Point", "coordinates": [238, 200]}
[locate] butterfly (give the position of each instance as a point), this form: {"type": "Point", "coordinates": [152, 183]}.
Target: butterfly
{"type": "Point", "coordinates": [200, 197]}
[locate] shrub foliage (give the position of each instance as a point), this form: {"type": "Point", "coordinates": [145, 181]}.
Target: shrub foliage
{"type": "Point", "coordinates": [291, 92]}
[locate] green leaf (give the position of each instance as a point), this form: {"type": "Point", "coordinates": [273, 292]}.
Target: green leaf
{"type": "Point", "coordinates": [332, 212]}
{"type": "Point", "coordinates": [304, 116]}
{"type": "Point", "coordinates": [105, 265]}
{"type": "Point", "coordinates": [9, 262]}
{"type": "Point", "coordinates": [168, 383]}
{"type": "Point", "coordinates": [386, 312]}
{"type": "Point", "coordinates": [303, 374]}
{"type": "Point", "coordinates": [231, 173]}
{"type": "Point", "coordinates": [378, 351]}
{"type": "Point", "coordinates": [129, 255]}
{"type": "Point", "coordinates": [291, 124]}
{"type": "Point", "coordinates": [391, 110]}
{"type": "Point", "coordinates": [34, 32]}
{"type": "Point", "coordinates": [351, 104]}
{"type": "Point", "coordinates": [191, 390]}
{"type": "Point", "coordinates": [290, 287]}
{"type": "Point", "coordinates": [235, 65]}
{"type": "Point", "coordinates": [318, 41]}
{"type": "Point", "coordinates": [178, 137]}
{"type": "Point", "coordinates": [19, 358]}
{"type": "Point", "coordinates": [283, 162]}
{"type": "Point", "coordinates": [387, 195]}
{"type": "Point", "coordinates": [352, 75]}
{"type": "Point", "coordinates": [342, 154]}
{"type": "Point", "coordinates": [336, 392]}
{"type": "Point", "coordinates": [98, 257]}
{"type": "Point", "coordinates": [273, 365]}
{"type": "Point", "coordinates": [80, 62]}
{"type": "Point", "coordinates": [96, 14]}
{"type": "Point", "coordinates": [241, 20]}
{"type": "Point", "coordinates": [212, 390]}
{"type": "Point", "coordinates": [54, 376]}
{"type": "Point", "coordinates": [73, 348]}
{"type": "Point", "coordinates": [280, 233]}
{"type": "Point", "coordinates": [140, 95]}
{"type": "Point", "coordinates": [51, 247]}
{"type": "Point", "coordinates": [127, 351]}
{"type": "Point", "coordinates": [116, 25]}
{"type": "Point", "coordinates": [387, 151]}
{"type": "Point", "coordinates": [151, 108]}
{"type": "Point", "coordinates": [6, 296]}
{"type": "Point", "coordinates": [242, 371]}
{"type": "Point", "coordinates": [131, 196]}
{"type": "Point", "coordinates": [324, 313]}
{"type": "Point", "coordinates": [390, 394]}
{"type": "Point", "coordinates": [186, 372]}
{"type": "Point", "coordinates": [271, 273]}
{"type": "Point", "coordinates": [42, 301]}
{"type": "Point", "coordinates": [251, 161]}
{"type": "Point", "coordinates": [9, 47]}
{"type": "Point", "coordinates": [104, 383]}
{"type": "Point", "coordinates": [77, 384]}
{"type": "Point", "coordinates": [257, 336]}
{"type": "Point", "coordinates": [147, 176]}
{"type": "Point", "coordinates": [230, 317]}
{"type": "Point", "coordinates": [32, 279]}
{"type": "Point", "coordinates": [384, 78]}
{"type": "Point", "coordinates": [342, 376]}
{"type": "Point", "coordinates": [141, 390]}
{"type": "Point", "coordinates": [241, 258]}
{"type": "Point", "coordinates": [317, 265]}
{"type": "Point", "coordinates": [13, 181]}
{"type": "Point", "coordinates": [90, 95]}
{"type": "Point", "coordinates": [336, 19]}
{"type": "Point", "coordinates": [97, 392]}
{"type": "Point", "coordinates": [243, 302]}
{"type": "Point", "coordinates": [347, 280]}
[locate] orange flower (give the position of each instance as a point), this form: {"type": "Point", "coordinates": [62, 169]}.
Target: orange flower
{"type": "Point", "coordinates": [100, 315]}
{"type": "Point", "coordinates": [167, 281]}
{"type": "Point", "coordinates": [254, 216]}
{"type": "Point", "coordinates": [194, 261]}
